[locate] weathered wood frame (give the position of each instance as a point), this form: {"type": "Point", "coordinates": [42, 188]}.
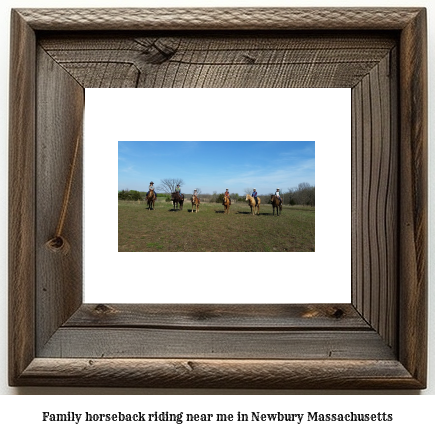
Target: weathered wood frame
{"type": "Point", "coordinates": [377, 341]}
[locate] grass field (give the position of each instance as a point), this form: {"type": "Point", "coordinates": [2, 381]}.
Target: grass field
{"type": "Point", "coordinates": [210, 230]}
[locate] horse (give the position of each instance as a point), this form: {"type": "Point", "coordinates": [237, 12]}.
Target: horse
{"type": "Point", "coordinates": [151, 198]}
{"type": "Point", "coordinates": [276, 204]}
{"type": "Point", "coordinates": [177, 200]}
{"type": "Point", "coordinates": [226, 205]}
{"type": "Point", "coordinates": [195, 202]}
{"type": "Point", "coordinates": [255, 209]}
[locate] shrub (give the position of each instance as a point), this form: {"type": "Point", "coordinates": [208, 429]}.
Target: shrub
{"type": "Point", "coordinates": [129, 195]}
{"type": "Point", "coordinates": [220, 198]}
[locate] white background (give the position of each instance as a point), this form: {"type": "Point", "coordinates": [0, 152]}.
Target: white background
{"type": "Point", "coordinates": [319, 115]}
{"type": "Point", "coordinates": [413, 412]}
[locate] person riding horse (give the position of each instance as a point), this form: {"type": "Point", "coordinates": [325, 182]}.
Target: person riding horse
{"type": "Point", "coordinates": [227, 194]}
{"type": "Point", "coordinates": [254, 195]}
{"type": "Point", "coordinates": [151, 188]}
{"type": "Point", "coordinates": [278, 196]}
{"type": "Point", "coordinates": [177, 198]}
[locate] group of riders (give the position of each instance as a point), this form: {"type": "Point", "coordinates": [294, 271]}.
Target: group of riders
{"type": "Point", "coordinates": [177, 190]}
{"type": "Point", "coordinates": [254, 194]}
{"type": "Point", "coordinates": [227, 193]}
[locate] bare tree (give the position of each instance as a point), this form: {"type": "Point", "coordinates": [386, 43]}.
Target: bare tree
{"type": "Point", "coordinates": [168, 184]}
{"type": "Point", "coordinates": [303, 194]}
{"type": "Point", "coordinates": [248, 190]}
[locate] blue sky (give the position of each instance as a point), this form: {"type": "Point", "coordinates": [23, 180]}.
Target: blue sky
{"type": "Point", "coordinates": [215, 166]}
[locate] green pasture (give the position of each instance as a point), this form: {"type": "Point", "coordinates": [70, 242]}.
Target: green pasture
{"type": "Point", "coordinates": [210, 230]}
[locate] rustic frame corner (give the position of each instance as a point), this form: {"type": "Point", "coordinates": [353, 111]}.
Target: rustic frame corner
{"type": "Point", "coordinates": [376, 342]}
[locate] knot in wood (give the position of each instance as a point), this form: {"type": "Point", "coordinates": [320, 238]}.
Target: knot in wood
{"type": "Point", "coordinates": [58, 244]}
{"type": "Point", "coordinates": [103, 309]}
{"type": "Point", "coordinates": [338, 313]}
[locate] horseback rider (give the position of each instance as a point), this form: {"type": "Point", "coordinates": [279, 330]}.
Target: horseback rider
{"type": "Point", "coordinates": [178, 190]}
{"type": "Point", "coordinates": [195, 193]}
{"type": "Point", "coordinates": [151, 188]}
{"type": "Point", "coordinates": [227, 194]}
{"type": "Point", "coordinates": [254, 195]}
{"type": "Point", "coordinates": [278, 196]}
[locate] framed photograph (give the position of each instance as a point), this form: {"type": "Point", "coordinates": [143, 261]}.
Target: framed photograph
{"type": "Point", "coordinates": [377, 341]}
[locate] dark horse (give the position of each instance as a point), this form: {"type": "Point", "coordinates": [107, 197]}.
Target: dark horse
{"type": "Point", "coordinates": [151, 198]}
{"type": "Point", "coordinates": [276, 204]}
{"type": "Point", "coordinates": [177, 200]}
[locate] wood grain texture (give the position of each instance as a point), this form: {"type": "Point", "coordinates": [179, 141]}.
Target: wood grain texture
{"type": "Point", "coordinates": [413, 187]}
{"type": "Point", "coordinates": [229, 374]}
{"type": "Point", "coordinates": [95, 342]}
{"type": "Point", "coordinates": [220, 18]}
{"type": "Point", "coordinates": [21, 197]}
{"type": "Point", "coordinates": [235, 60]}
{"type": "Point", "coordinates": [59, 277]}
{"type": "Point", "coordinates": [378, 342]}
{"type": "Point", "coordinates": [375, 198]}
{"type": "Point", "coordinates": [220, 317]}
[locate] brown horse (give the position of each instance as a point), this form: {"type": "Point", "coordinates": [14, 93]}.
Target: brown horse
{"type": "Point", "coordinates": [276, 204]}
{"type": "Point", "coordinates": [195, 202]}
{"type": "Point", "coordinates": [255, 209]}
{"type": "Point", "coordinates": [151, 198]}
{"type": "Point", "coordinates": [226, 205]}
{"type": "Point", "coordinates": [177, 200]}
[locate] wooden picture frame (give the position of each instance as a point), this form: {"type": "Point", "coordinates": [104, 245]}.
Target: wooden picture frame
{"type": "Point", "coordinates": [376, 342]}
